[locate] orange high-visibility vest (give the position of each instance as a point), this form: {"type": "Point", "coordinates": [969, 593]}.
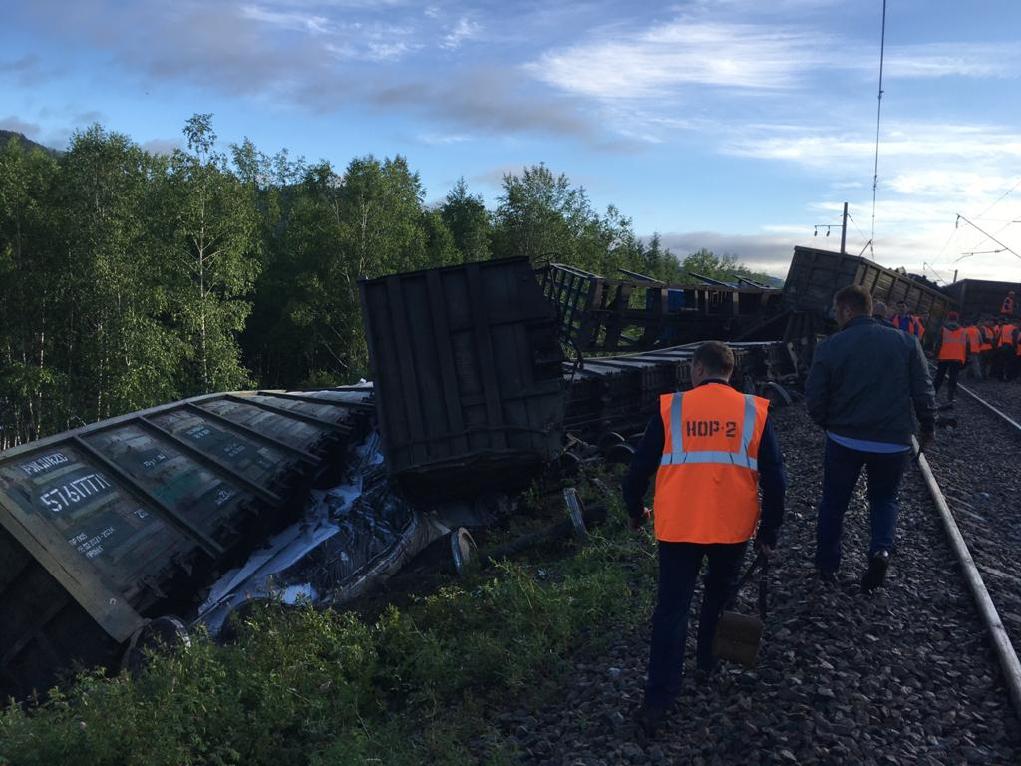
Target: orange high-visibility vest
{"type": "Point", "coordinates": [974, 339]}
{"type": "Point", "coordinates": [987, 339]}
{"type": "Point", "coordinates": [952, 349]}
{"type": "Point", "coordinates": [919, 327]}
{"type": "Point", "coordinates": [1007, 335]}
{"type": "Point", "coordinates": [707, 485]}
{"type": "Point", "coordinates": [913, 327]}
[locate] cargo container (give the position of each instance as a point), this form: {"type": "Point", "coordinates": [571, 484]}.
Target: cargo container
{"type": "Point", "coordinates": [107, 526]}
{"type": "Point", "coordinates": [597, 314]}
{"type": "Point", "coordinates": [620, 393]}
{"type": "Point", "coordinates": [980, 297]}
{"type": "Point", "coordinates": [466, 368]}
{"type": "Point", "coordinates": [816, 275]}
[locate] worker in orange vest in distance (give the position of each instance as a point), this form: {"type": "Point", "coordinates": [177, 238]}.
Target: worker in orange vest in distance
{"type": "Point", "coordinates": [985, 327]}
{"type": "Point", "coordinates": [951, 354]}
{"type": "Point", "coordinates": [973, 366]}
{"type": "Point", "coordinates": [1016, 369]}
{"type": "Point", "coordinates": [711, 449]}
{"type": "Point", "coordinates": [909, 323]}
{"type": "Point", "coordinates": [1007, 307]}
{"type": "Point", "coordinates": [1004, 353]}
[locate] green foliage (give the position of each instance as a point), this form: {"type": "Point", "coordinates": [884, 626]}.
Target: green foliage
{"type": "Point", "coordinates": [323, 687]}
{"type": "Point", "coordinates": [129, 279]}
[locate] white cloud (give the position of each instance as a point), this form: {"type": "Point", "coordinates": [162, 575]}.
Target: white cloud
{"type": "Point", "coordinates": [656, 61]}
{"type": "Point", "coordinates": [953, 59]}
{"type": "Point", "coordinates": [919, 141]}
{"type": "Point", "coordinates": [301, 22]}
{"type": "Point", "coordinates": [465, 29]}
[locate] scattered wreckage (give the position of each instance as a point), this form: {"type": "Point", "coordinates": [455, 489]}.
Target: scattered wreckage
{"type": "Point", "coordinates": [177, 516]}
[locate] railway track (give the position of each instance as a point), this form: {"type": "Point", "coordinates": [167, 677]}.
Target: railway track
{"type": "Point", "coordinates": [904, 676]}
{"type": "Point", "coordinates": [977, 499]}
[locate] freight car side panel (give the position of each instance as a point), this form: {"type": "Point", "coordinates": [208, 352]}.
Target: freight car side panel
{"type": "Point", "coordinates": [816, 275]}
{"type": "Point", "coordinates": [197, 494]}
{"type": "Point", "coordinates": [104, 524]}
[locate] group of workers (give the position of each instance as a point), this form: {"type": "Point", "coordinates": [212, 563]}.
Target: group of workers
{"type": "Point", "coordinates": [713, 450]}
{"type": "Point", "coordinates": [985, 347]}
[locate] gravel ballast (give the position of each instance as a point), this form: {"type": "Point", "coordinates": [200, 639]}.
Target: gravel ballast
{"type": "Point", "coordinates": [901, 677]}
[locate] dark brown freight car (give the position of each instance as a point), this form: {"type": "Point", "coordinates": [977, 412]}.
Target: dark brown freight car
{"type": "Point", "coordinates": [107, 526]}
{"type": "Point", "coordinates": [815, 275]}
{"type": "Point", "coordinates": [466, 366]}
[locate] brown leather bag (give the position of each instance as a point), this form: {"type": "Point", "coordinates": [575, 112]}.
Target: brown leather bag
{"type": "Point", "coordinates": [738, 636]}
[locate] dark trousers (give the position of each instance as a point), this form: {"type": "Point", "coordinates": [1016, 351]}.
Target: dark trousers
{"type": "Point", "coordinates": [949, 370]}
{"type": "Point", "coordinates": [679, 566]}
{"type": "Point", "coordinates": [1014, 367]}
{"type": "Point", "coordinates": [840, 473]}
{"type": "Point", "coordinates": [1003, 362]}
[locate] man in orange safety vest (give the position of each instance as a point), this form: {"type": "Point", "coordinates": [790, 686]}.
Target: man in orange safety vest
{"type": "Point", "coordinates": [951, 354]}
{"type": "Point", "coordinates": [711, 450]}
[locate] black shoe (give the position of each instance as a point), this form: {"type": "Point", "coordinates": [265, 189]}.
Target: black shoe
{"type": "Point", "coordinates": [648, 721]}
{"type": "Point", "coordinates": [876, 572]}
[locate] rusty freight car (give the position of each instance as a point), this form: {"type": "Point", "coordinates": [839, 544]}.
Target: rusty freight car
{"type": "Point", "coordinates": [110, 525]}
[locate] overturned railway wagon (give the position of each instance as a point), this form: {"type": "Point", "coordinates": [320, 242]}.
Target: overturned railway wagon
{"type": "Point", "coordinates": [110, 525]}
{"type": "Point", "coordinates": [597, 314]}
{"type": "Point", "coordinates": [816, 275]}
{"type": "Point", "coordinates": [618, 394]}
{"type": "Point", "coordinates": [466, 363]}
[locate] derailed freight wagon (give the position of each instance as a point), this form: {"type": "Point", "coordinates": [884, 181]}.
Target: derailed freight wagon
{"type": "Point", "coordinates": [466, 367]}
{"type": "Point", "coordinates": [816, 275]}
{"type": "Point", "coordinates": [597, 314]}
{"type": "Point", "coordinates": [981, 297]}
{"type": "Point", "coordinates": [108, 526]}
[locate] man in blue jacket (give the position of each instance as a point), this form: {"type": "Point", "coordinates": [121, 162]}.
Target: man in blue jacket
{"type": "Point", "coordinates": [869, 388]}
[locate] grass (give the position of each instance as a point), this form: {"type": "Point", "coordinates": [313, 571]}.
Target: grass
{"type": "Point", "coordinates": [415, 685]}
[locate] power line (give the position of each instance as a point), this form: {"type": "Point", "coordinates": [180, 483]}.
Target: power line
{"type": "Point", "coordinates": [1000, 198]}
{"type": "Point", "coordinates": [857, 226]}
{"type": "Point", "coordinates": [879, 106]}
{"type": "Point", "coordinates": [990, 236]}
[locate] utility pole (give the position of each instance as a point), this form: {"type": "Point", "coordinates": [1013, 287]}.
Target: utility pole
{"type": "Point", "coordinates": [955, 275]}
{"type": "Point", "coordinates": [843, 233]}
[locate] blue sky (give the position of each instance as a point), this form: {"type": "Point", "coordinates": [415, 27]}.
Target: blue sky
{"type": "Point", "coordinates": [730, 124]}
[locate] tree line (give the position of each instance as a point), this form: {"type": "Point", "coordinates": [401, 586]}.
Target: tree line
{"type": "Point", "coordinates": [129, 279]}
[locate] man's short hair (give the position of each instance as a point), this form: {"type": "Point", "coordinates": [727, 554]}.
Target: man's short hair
{"type": "Point", "coordinates": [855, 298]}
{"type": "Point", "coordinates": [716, 357]}
{"type": "Point", "coordinates": [879, 309]}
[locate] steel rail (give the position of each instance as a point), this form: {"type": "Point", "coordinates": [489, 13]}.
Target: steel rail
{"type": "Point", "coordinates": [1005, 653]}
{"type": "Point", "coordinates": [990, 407]}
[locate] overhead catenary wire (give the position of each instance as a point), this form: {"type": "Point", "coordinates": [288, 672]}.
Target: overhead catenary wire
{"type": "Point", "coordinates": [1000, 199]}
{"type": "Point", "coordinates": [990, 236]}
{"type": "Point", "coordinates": [879, 106]}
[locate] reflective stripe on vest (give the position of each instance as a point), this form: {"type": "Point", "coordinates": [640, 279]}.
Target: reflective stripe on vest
{"type": "Point", "coordinates": [952, 348]}
{"type": "Point", "coordinates": [678, 456]}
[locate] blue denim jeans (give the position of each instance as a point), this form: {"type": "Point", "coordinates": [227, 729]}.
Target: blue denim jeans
{"type": "Point", "coordinates": [840, 473]}
{"type": "Point", "coordinates": [679, 566]}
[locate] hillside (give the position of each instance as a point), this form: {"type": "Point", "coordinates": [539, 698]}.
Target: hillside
{"type": "Point", "coordinates": [7, 135]}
